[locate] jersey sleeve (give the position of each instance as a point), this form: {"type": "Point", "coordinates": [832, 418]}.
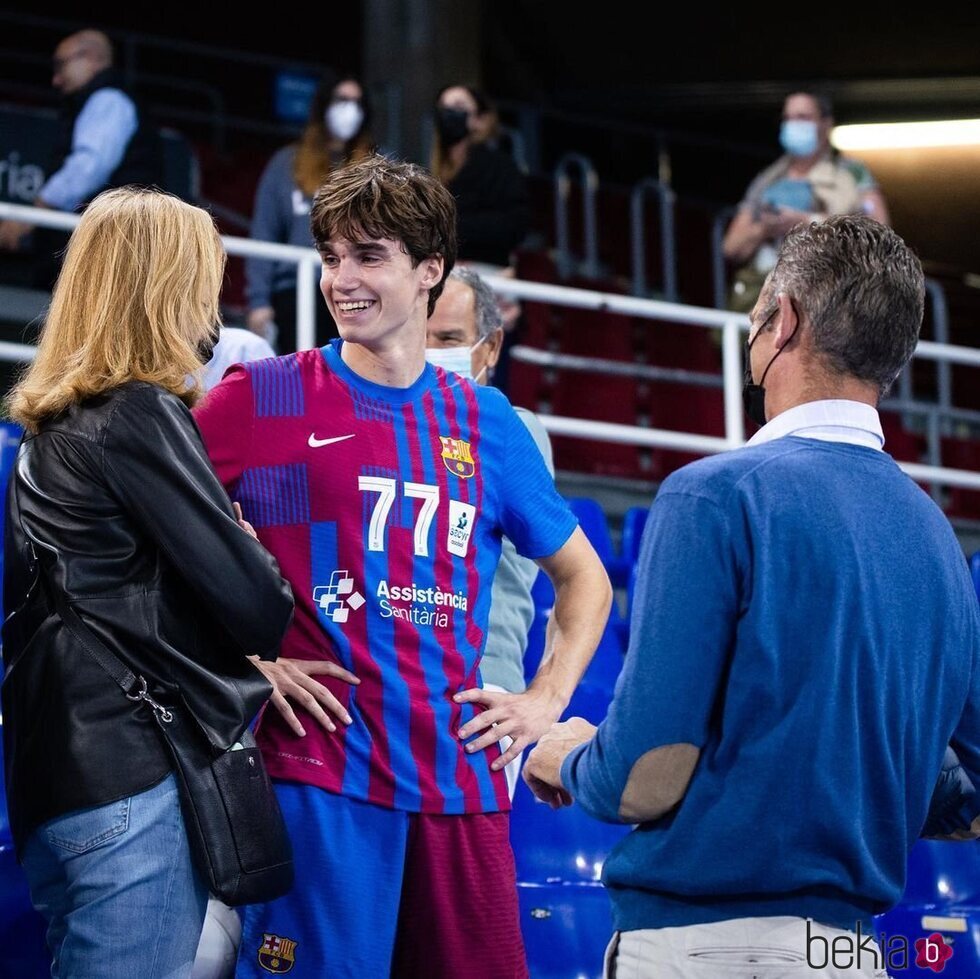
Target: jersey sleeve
{"type": "Point", "coordinates": [226, 418]}
{"type": "Point", "coordinates": [533, 514]}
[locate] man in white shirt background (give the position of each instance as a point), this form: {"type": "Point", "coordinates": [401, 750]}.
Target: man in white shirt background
{"type": "Point", "coordinates": [104, 140]}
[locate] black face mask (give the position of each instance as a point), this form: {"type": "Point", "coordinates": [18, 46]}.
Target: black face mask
{"type": "Point", "coordinates": [453, 126]}
{"type": "Point", "coordinates": [754, 395]}
{"type": "Point", "coordinates": [205, 349]}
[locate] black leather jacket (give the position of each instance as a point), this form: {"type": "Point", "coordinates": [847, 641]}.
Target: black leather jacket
{"type": "Point", "coordinates": [116, 505]}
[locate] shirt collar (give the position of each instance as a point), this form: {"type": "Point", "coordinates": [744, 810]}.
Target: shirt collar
{"type": "Point", "coordinates": [830, 421]}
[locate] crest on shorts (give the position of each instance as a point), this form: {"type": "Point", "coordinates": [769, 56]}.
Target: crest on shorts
{"type": "Point", "coordinates": [456, 457]}
{"type": "Point", "coordinates": [277, 954]}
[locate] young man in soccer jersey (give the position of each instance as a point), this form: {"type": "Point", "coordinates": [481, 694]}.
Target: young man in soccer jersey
{"type": "Point", "coordinates": [464, 334]}
{"type": "Point", "coordinates": [383, 486]}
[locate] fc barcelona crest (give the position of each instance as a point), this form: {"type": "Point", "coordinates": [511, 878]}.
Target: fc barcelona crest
{"type": "Point", "coordinates": [276, 954]}
{"type": "Point", "coordinates": [456, 457]}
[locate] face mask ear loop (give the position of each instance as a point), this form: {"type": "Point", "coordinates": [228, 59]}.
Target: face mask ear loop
{"type": "Point", "coordinates": [485, 369]}
{"type": "Point", "coordinates": [762, 380]}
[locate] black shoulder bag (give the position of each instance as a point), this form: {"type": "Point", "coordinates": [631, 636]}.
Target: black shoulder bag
{"type": "Point", "coordinates": [235, 828]}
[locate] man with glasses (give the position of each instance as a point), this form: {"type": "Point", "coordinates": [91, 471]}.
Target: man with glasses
{"type": "Point", "coordinates": [805, 644]}
{"type": "Point", "coordinates": [103, 142]}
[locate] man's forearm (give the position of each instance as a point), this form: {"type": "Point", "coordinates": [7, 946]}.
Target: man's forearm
{"type": "Point", "coordinates": [581, 610]}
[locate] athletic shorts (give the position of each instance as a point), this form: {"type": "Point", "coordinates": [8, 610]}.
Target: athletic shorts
{"type": "Point", "coordinates": [381, 892]}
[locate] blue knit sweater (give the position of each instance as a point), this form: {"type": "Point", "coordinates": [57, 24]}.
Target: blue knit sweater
{"type": "Point", "coordinates": [804, 615]}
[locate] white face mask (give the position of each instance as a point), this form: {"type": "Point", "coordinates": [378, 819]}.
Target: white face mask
{"type": "Point", "coordinates": [458, 360]}
{"type": "Point", "coordinates": [344, 118]}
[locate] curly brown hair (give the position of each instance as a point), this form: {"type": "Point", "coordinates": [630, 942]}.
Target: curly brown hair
{"type": "Point", "coordinates": [377, 198]}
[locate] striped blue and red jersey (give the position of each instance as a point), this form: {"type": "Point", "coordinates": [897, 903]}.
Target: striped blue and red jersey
{"type": "Point", "coordinates": [385, 509]}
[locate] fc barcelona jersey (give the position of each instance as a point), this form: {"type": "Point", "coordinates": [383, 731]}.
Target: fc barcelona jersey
{"type": "Point", "coordinates": [385, 509]}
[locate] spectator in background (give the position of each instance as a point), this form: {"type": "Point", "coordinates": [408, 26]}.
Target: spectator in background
{"type": "Point", "coordinates": [105, 142]}
{"type": "Point", "coordinates": [492, 194]}
{"type": "Point", "coordinates": [491, 191]}
{"type": "Point", "coordinates": [338, 130]}
{"type": "Point", "coordinates": [464, 334]}
{"type": "Point", "coordinates": [809, 182]}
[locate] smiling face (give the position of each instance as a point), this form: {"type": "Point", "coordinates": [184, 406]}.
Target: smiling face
{"type": "Point", "coordinates": [373, 291]}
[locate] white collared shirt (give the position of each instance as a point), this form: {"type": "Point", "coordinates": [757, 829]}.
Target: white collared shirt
{"type": "Point", "coordinates": [830, 421]}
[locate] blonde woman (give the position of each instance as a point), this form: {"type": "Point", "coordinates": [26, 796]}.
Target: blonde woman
{"type": "Point", "coordinates": [116, 521]}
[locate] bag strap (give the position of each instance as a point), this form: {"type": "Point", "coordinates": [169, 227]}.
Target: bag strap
{"type": "Point", "coordinates": [135, 688]}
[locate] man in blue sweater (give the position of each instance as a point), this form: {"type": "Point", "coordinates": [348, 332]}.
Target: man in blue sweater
{"type": "Point", "coordinates": [805, 644]}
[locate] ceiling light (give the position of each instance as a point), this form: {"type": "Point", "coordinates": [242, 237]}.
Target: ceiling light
{"type": "Point", "coordinates": [906, 135]}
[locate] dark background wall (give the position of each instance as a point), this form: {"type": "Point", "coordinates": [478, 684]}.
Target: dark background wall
{"type": "Point", "coordinates": [682, 89]}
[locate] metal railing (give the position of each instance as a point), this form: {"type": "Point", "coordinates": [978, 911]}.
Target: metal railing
{"type": "Point", "coordinates": [668, 256]}
{"type": "Point", "coordinates": [731, 325]}
{"type": "Point", "coordinates": [936, 295]}
{"type": "Point", "coordinates": [564, 257]}
{"type": "Point", "coordinates": [306, 260]}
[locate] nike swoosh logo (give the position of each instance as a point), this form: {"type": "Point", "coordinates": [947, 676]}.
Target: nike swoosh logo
{"type": "Point", "coordinates": [315, 443]}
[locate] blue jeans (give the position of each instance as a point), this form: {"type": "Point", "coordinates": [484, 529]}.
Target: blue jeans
{"type": "Point", "coordinates": [117, 888]}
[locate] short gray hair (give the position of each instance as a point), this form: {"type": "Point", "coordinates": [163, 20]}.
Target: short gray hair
{"type": "Point", "coordinates": [862, 290]}
{"type": "Point", "coordinates": [488, 317]}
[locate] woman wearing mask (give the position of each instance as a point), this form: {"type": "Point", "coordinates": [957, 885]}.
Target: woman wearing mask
{"type": "Point", "coordinates": [337, 131]}
{"type": "Point", "coordinates": [120, 538]}
{"type": "Point", "coordinates": [492, 194]}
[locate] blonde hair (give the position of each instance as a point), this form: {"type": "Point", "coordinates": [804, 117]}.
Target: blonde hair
{"type": "Point", "coordinates": [136, 297]}
{"type": "Point", "coordinates": [313, 162]}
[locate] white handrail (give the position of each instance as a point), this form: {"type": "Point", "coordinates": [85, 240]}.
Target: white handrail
{"type": "Point", "coordinates": [306, 259]}
{"type": "Point", "coordinates": [732, 325]}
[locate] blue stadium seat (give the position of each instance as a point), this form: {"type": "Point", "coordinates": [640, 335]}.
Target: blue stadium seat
{"type": "Point", "coordinates": [595, 526]}
{"type": "Point", "coordinates": [592, 519]}
{"type": "Point", "coordinates": [22, 929]}
{"type": "Point", "coordinates": [942, 895]}
{"type": "Point", "coordinates": [558, 846]}
{"type": "Point", "coordinates": [566, 928]}
{"type": "Point", "coordinates": [604, 668]}
{"type": "Point", "coordinates": [565, 913]}
{"type": "Point", "coordinates": [23, 952]}
{"type": "Point", "coordinates": [942, 872]}
{"type": "Point", "coordinates": [542, 593]}
{"type": "Point", "coordinates": [607, 661]}
{"type": "Point", "coordinates": [535, 641]}
{"type": "Point", "coordinates": [10, 436]}
{"type": "Point", "coordinates": [634, 520]}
